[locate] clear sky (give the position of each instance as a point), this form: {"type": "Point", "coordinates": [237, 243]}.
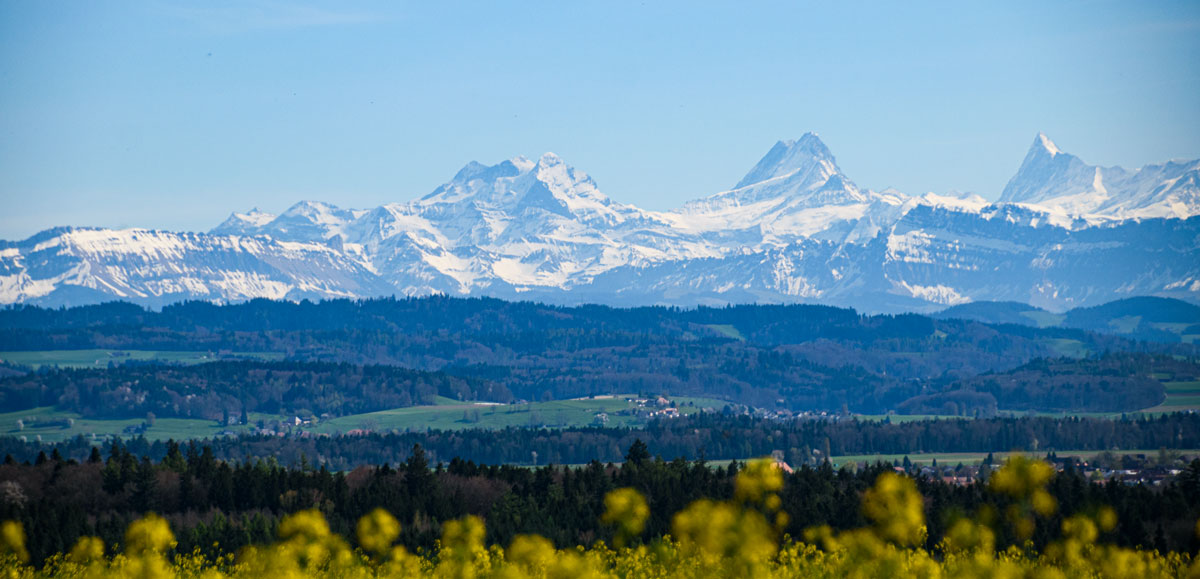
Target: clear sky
{"type": "Point", "coordinates": [171, 115]}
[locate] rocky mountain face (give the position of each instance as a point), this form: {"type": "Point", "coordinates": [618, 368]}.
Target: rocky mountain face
{"type": "Point", "coordinates": [794, 229]}
{"type": "Point", "coordinates": [1052, 180]}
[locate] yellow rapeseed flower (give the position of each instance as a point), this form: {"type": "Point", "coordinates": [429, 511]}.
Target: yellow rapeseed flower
{"type": "Point", "coordinates": [150, 534]}
{"type": "Point", "coordinates": [1020, 477]}
{"type": "Point", "coordinates": [377, 531]}
{"type": "Point", "coordinates": [711, 539]}
{"type": "Point", "coordinates": [87, 550]}
{"type": "Point", "coordinates": [627, 510]}
{"type": "Point", "coordinates": [897, 509]}
{"type": "Point", "coordinates": [12, 540]}
{"type": "Point", "coordinates": [306, 526]}
{"type": "Point", "coordinates": [758, 480]}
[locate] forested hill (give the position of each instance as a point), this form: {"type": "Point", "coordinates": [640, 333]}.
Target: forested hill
{"type": "Point", "coordinates": [218, 390]}
{"type": "Point", "coordinates": [797, 357]}
{"type": "Point", "coordinates": [204, 325]}
{"type": "Point", "coordinates": [1102, 384]}
{"type": "Point", "coordinates": [1147, 318]}
{"type": "Point", "coordinates": [764, 324]}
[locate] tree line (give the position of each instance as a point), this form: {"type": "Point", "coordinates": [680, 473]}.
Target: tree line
{"type": "Point", "coordinates": [762, 378]}
{"type": "Point", "coordinates": [221, 389]}
{"type": "Point", "coordinates": [714, 436]}
{"type": "Point", "coordinates": [211, 502]}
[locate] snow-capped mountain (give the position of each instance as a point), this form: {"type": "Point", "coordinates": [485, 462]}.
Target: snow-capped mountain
{"type": "Point", "coordinates": [519, 223]}
{"type": "Point", "coordinates": [304, 221]}
{"type": "Point", "coordinates": [246, 223]}
{"type": "Point", "coordinates": [795, 228]}
{"type": "Point", "coordinates": [796, 191]}
{"type": "Point", "coordinates": [1052, 180]}
{"type": "Point", "coordinates": [80, 265]}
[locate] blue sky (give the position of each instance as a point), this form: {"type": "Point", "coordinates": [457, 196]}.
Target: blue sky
{"type": "Point", "coordinates": [171, 115]}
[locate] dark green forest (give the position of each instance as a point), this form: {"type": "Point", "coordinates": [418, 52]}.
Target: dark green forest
{"type": "Point", "coordinates": [209, 501]}
{"type": "Point", "coordinates": [1147, 318]}
{"type": "Point", "coordinates": [1113, 383]}
{"type": "Point", "coordinates": [218, 389]}
{"type": "Point", "coordinates": [798, 357]}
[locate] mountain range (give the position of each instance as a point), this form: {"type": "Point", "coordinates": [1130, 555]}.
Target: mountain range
{"type": "Point", "coordinates": [1063, 234]}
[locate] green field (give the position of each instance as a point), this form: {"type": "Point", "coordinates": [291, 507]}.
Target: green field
{"type": "Point", "coordinates": [1067, 348]}
{"type": "Point", "coordinates": [53, 426]}
{"type": "Point", "coordinates": [727, 330]}
{"type": "Point", "coordinates": [1188, 401]}
{"type": "Point", "coordinates": [1044, 319]}
{"type": "Point", "coordinates": [953, 458]}
{"type": "Point", "coordinates": [1181, 396]}
{"type": "Point", "coordinates": [102, 358]}
{"type": "Point", "coordinates": [454, 415]}
{"type": "Point", "coordinates": [1125, 324]}
{"type": "Point", "coordinates": [1175, 328]}
{"type": "Point", "coordinates": [898, 418]}
{"type": "Point", "coordinates": [1182, 388]}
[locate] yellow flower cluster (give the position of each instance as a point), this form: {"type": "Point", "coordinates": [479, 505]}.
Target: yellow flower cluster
{"type": "Point", "coordinates": [736, 538]}
{"type": "Point", "coordinates": [1024, 480]}
{"type": "Point", "coordinates": [897, 509]}
{"type": "Point", "coordinates": [627, 510]}
{"type": "Point", "coordinates": [731, 538]}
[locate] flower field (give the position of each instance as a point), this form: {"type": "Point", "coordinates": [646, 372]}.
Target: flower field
{"type": "Point", "coordinates": [739, 537]}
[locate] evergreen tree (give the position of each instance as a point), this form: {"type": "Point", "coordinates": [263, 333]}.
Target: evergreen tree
{"type": "Point", "coordinates": [638, 453]}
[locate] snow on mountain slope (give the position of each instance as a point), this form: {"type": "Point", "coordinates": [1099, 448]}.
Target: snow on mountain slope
{"type": "Point", "coordinates": [520, 223]}
{"type": "Point", "coordinates": [494, 205]}
{"type": "Point", "coordinates": [304, 221]}
{"type": "Point", "coordinates": [1058, 182]}
{"type": "Point", "coordinates": [934, 257]}
{"type": "Point", "coordinates": [248, 223]}
{"type": "Point", "coordinates": [1052, 178]}
{"type": "Point", "coordinates": [160, 267]}
{"type": "Point", "coordinates": [795, 191]}
{"type": "Point", "coordinates": [804, 162]}
{"type": "Point", "coordinates": [795, 228]}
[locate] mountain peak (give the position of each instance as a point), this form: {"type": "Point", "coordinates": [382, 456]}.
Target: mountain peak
{"type": "Point", "coordinates": [244, 223]}
{"type": "Point", "coordinates": [788, 157]}
{"type": "Point", "coordinates": [309, 208]}
{"type": "Point", "coordinates": [1044, 143]}
{"type": "Point", "coordinates": [549, 159]}
{"type": "Point", "coordinates": [1062, 183]}
{"type": "Point", "coordinates": [801, 174]}
{"type": "Point", "coordinates": [1047, 172]}
{"type": "Point", "coordinates": [517, 184]}
{"type": "Point", "coordinates": [521, 163]}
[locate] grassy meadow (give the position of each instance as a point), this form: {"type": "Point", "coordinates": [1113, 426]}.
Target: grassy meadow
{"type": "Point", "coordinates": [50, 425]}
{"type": "Point", "coordinates": [454, 415]}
